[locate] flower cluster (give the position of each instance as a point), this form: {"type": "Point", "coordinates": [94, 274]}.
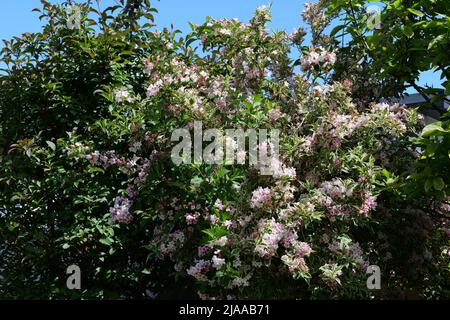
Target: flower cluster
{"type": "Point", "coordinates": [224, 225]}
{"type": "Point", "coordinates": [261, 197]}
{"type": "Point", "coordinates": [120, 212]}
{"type": "Point", "coordinates": [270, 235]}
{"type": "Point", "coordinates": [197, 271]}
{"type": "Point", "coordinates": [123, 95]}
{"type": "Point", "coordinates": [326, 193]}
{"type": "Point", "coordinates": [315, 17]}
{"type": "Point", "coordinates": [316, 57]}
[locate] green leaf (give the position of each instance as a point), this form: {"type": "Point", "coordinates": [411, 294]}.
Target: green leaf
{"type": "Point", "coordinates": [95, 169]}
{"type": "Point", "coordinates": [106, 241]}
{"type": "Point", "coordinates": [146, 271]}
{"type": "Point", "coordinates": [51, 145]}
{"type": "Point", "coordinates": [12, 226]}
{"type": "Point", "coordinates": [435, 41]}
{"type": "Point", "coordinates": [336, 30]}
{"type": "Point", "coordinates": [431, 128]}
{"type": "Point", "coordinates": [386, 173]}
{"type": "Point", "coordinates": [416, 12]}
{"type": "Point", "coordinates": [196, 181]}
{"type": "Point", "coordinates": [438, 183]}
{"type": "Point", "coordinates": [428, 184]}
{"type": "Point", "coordinates": [408, 31]}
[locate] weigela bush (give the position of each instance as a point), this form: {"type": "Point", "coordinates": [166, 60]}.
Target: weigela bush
{"type": "Point", "coordinates": [87, 178]}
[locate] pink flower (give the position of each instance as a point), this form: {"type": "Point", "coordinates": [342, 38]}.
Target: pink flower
{"type": "Point", "coordinates": [270, 234]}
{"type": "Point", "coordinates": [313, 58]}
{"type": "Point", "coordinates": [261, 197]}
{"type": "Point", "coordinates": [202, 250]}
{"type": "Point", "coordinates": [192, 218]}
{"type": "Point", "coordinates": [335, 144]}
{"type": "Point", "coordinates": [302, 249]}
{"type": "Point", "coordinates": [121, 210]}
{"type": "Point", "coordinates": [228, 224]}
{"type": "Point", "coordinates": [217, 262]}
{"type": "Point", "coordinates": [335, 189]}
{"type": "Point", "coordinates": [135, 147]}
{"type": "Point", "coordinates": [123, 95]}
{"type": "Point", "coordinates": [324, 200]}
{"type": "Point", "coordinates": [289, 239]}
{"type": "Point", "coordinates": [335, 211]}
{"type": "Point", "coordinates": [218, 205]}
{"type": "Point", "coordinates": [275, 114]}
{"type": "Point", "coordinates": [224, 31]}
{"type": "Point", "coordinates": [289, 172]}
{"type": "Point", "coordinates": [295, 263]}
{"type": "Point", "coordinates": [279, 170]}
{"type": "Point", "coordinates": [93, 157]}
{"type": "Point", "coordinates": [196, 271]}
{"type": "Point", "coordinates": [148, 67]}
{"type": "Point", "coordinates": [153, 89]}
{"type": "Point", "coordinates": [369, 203]}
{"type": "Point", "coordinates": [317, 90]}
{"type": "Point", "coordinates": [221, 241]}
{"type": "Point", "coordinates": [213, 218]}
{"type": "Point", "coordinates": [328, 57]}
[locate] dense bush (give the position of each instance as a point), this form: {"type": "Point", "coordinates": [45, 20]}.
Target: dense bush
{"type": "Point", "coordinates": [385, 47]}
{"type": "Point", "coordinates": [86, 118]}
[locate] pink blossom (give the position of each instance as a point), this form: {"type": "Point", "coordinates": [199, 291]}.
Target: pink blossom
{"type": "Point", "coordinates": [221, 241]}
{"type": "Point", "coordinates": [218, 205]}
{"type": "Point", "coordinates": [192, 218]}
{"type": "Point", "coordinates": [121, 210]}
{"type": "Point", "coordinates": [202, 250]}
{"type": "Point", "coordinates": [302, 249]}
{"type": "Point", "coordinates": [153, 89]}
{"type": "Point", "coordinates": [369, 203]}
{"type": "Point", "coordinates": [217, 262]}
{"type": "Point", "coordinates": [328, 57]}
{"type": "Point", "coordinates": [198, 268]}
{"type": "Point", "coordinates": [261, 197]}
{"type": "Point", "coordinates": [148, 67]}
{"type": "Point", "coordinates": [271, 233]}
{"type": "Point", "coordinates": [213, 218]}
{"type": "Point", "coordinates": [123, 95]}
{"type": "Point", "coordinates": [275, 114]}
{"type": "Point", "coordinates": [295, 263]}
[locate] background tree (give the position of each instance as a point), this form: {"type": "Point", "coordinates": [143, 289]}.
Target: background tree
{"type": "Point", "coordinates": [86, 118]}
{"type": "Point", "coordinates": [412, 37]}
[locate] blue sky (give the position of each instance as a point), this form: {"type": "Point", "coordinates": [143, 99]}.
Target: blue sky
{"type": "Point", "coordinates": [16, 16]}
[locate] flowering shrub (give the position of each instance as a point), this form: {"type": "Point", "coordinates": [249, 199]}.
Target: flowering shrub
{"type": "Point", "coordinates": [88, 178]}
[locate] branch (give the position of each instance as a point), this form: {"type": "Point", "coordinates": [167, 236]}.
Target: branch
{"type": "Point", "coordinates": [427, 99]}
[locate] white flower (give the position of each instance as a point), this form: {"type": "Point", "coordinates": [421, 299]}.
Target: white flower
{"type": "Point", "coordinates": [314, 58]}
{"type": "Point", "coordinates": [260, 197]}
{"type": "Point", "coordinates": [122, 95]}
{"type": "Point", "coordinates": [225, 31]}
{"type": "Point", "coordinates": [218, 205]}
{"type": "Point", "coordinates": [153, 89]}
{"type": "Point", "coordinates": [135, 147]}
{"type": "Point", "coordinates": [217, 262]}
{"type": "Point", "coordinates": [262, 8]}
{"type": "Point", "coordinates": [221, 242]}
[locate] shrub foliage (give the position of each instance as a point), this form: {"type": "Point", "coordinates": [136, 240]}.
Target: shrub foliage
{"type": "Point", "coordinates": [86, 176]}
